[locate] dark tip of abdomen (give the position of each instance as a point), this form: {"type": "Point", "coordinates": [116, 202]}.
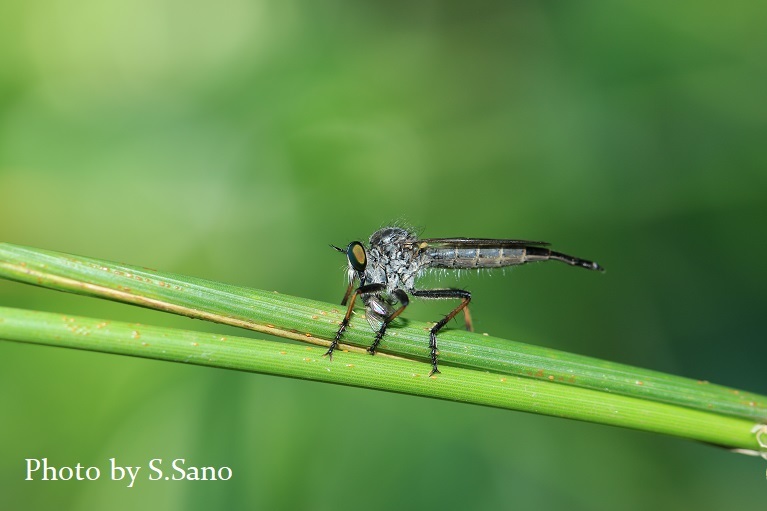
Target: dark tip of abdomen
{"type": "Point", "coordinates": [575, 261]}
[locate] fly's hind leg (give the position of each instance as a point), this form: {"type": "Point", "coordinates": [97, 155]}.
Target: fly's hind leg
{"type": "Point", "coordinates": [404, 301]}
{"type": "Point", "coordinates": [444, 294]}
{"type": "Point", "coordinates": [467, 316]}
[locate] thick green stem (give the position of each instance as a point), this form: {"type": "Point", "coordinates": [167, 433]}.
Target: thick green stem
{"type": "Point", "coordinates": [361, 370]}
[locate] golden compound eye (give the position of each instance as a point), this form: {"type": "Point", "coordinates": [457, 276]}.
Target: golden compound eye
{"type": "Point", "coordinates": [356, 254]}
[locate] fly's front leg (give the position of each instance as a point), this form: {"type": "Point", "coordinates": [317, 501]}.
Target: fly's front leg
{"type": "Point", "coordinates": [444, 294]}
{"type": "Point", "coordinates": [362, 290]}
{"type": "Point", "coordinates": [348, 292]}
{"type": "Point", "coordinates": [404, 301]}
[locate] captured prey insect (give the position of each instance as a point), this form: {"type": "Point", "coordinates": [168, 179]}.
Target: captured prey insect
{"type": "Point", "coordinates": [388, 268]}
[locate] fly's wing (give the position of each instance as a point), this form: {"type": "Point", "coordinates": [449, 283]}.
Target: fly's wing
{"type": "Point", "coordinates": [376, 310]}
{"type": "Point", "coordinates": [476, 242]}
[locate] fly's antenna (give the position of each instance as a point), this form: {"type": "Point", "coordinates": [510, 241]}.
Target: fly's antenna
{"type": "Point", "coordinates": [337, 248]}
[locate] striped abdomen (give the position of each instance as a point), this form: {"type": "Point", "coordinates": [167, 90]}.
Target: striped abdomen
{"type": "Point", "coordinates": [460, 257]}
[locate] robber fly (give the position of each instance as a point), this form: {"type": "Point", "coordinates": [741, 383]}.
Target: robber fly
{"type": "Point", "coordinates": [388, 268]}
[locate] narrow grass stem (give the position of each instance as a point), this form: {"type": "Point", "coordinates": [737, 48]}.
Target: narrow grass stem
{"type": "Point", "coordinates": [361, 370]}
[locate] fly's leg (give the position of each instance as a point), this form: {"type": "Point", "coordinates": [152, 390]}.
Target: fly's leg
{"type": "Point", "coordinates": [467, 316]}
{"type": "Point", "coordinates": [362, 290]}
{"type": "Point", "coordinates": [348, 292]}
{"type": "Point", "coordinates": [444, 294]}
{"type": "Point", "coordinates": [404, 301]}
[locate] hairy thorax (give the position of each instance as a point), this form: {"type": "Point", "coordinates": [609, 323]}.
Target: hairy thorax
{"type": "Point", "coordinates": [393, 259]}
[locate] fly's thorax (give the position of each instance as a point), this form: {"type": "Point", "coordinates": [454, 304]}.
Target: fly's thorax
{"type": "Point", "coordinates": [375, 273]}
{"type": "Point", "coordinates": [392, 260]}
{"type": "Point", "coordinates": [390, 237]}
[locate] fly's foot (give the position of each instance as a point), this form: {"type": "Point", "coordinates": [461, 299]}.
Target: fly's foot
{"type": "Point", "coordinates": [379, 335]}
{"type": "Point", "coordinates": [329, 353]}
{"type": "Point", "coordinates": [434, 369]}
{"type": "Point", "coordinates": [334, 344]}
{"type": "Point", "coordinates": [434, 352]}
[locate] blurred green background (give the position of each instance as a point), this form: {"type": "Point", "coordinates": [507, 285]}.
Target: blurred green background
{"type": "Point", "coordinates": [234, 140]}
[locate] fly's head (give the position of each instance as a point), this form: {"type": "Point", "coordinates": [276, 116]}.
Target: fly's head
{"type": "Point", "coordinates": [357, 258]}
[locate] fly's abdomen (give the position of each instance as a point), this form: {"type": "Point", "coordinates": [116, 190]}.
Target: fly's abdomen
{"type": "Point", "coordinates": [461, 256]}
{"type": "Point", "coordinates": [475, 257]}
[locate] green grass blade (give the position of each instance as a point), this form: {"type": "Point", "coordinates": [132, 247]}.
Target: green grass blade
{"type": "Point", "coordinates": [316, 322]}
{"type": "Point", "coordinates": [361, 370]}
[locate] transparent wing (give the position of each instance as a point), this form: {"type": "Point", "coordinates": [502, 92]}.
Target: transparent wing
{"type": "Point", "coordinates": [375, 320]}
{"type": "Point", "coordinates": [376, 310]}
{"type": "Point", "coordinates": [476, 242]}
